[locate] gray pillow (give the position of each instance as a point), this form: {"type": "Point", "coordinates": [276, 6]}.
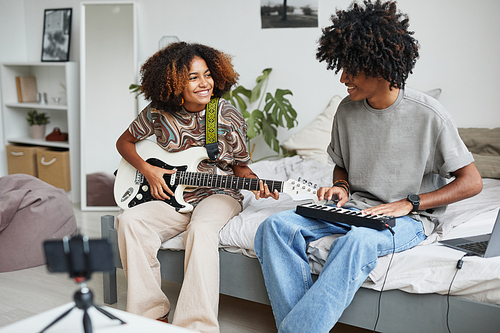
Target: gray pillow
{"type": "Point", "coordinates": [484, 144]}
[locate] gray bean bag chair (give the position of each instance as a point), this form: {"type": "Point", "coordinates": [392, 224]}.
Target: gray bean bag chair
{"type": "Point", "coordinates": [31, 211]}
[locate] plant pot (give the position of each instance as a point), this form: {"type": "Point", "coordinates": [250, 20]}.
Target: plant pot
{"type": "Point", "coordinates": [37, 131]}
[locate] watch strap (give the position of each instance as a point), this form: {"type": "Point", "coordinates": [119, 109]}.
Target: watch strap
{"type": "Point", "coordinates": [414, 199]}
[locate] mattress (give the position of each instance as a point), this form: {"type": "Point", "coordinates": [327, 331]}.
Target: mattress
{"type": "Point", "coordinates": [427, 268]}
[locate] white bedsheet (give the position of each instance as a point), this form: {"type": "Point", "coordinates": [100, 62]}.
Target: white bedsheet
{"type": "Point", "coordinates": [427, 268]}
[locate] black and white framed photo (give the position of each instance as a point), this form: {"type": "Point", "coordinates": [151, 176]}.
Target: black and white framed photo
{"type": "Point", "coordinates": [289, 14]}
{"type": "Point", "coordinates": [56, 34]}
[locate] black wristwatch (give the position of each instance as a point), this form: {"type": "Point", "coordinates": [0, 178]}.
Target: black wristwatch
{"type": "Point", "coordinates": [415, 201]}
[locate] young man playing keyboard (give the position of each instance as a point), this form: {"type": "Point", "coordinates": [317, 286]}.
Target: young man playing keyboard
{"type": "Point", "coordinates": [393, 149]}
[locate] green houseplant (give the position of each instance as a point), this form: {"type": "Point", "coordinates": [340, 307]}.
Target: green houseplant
{"type": "Point", "coordinates": [271, 112]}
{"type": "Point", "coordinates": [35, 118]}
{"type": "Point", "coordinates": [135, 89]}
{"type": "Point", "coordinates": [37, 122]}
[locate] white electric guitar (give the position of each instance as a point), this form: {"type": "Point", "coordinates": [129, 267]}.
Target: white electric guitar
{"type": "Point", "coordinates": [131, 187]}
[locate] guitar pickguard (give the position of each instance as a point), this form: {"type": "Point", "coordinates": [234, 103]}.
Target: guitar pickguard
{"type": "Point", "coordinates": [144, 192]}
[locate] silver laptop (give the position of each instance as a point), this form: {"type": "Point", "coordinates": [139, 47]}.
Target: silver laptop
{"type": "Point", "coordinates": [487, 245]}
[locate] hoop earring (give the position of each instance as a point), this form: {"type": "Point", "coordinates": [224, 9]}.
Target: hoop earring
{"type": "Point", "coordinates": [182, 101]}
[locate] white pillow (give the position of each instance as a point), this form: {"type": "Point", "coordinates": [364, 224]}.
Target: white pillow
{"type": "Point", "coordinates": [311, 141]}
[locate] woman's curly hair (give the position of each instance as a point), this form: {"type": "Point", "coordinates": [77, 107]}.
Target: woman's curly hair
{"type": "Point", "coordinates": [165, 75]}
{"type": "Point", "coordinates": [374, 39]}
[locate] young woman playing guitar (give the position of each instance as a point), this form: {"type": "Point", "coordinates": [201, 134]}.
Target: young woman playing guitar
{"type": "Point", "coordinates": [180, 81]}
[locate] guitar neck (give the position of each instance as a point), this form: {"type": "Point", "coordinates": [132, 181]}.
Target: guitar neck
{"type": "Point", "coordinates": [220, 181]}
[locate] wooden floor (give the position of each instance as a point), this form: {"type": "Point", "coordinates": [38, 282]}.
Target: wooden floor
{"type": "Point", "coordinates": [27, 292]}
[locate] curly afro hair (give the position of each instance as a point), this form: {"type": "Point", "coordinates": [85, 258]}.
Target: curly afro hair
{"type": "Point", "coordinates": [165, 75]}
{"type": "Point", "coordinates": [374, 39]}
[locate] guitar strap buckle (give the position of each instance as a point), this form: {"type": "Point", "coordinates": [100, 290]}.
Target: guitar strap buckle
{"type": "Point", "coordinates": [211, 133]}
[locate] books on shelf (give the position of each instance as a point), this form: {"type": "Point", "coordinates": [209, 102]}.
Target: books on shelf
{"type": "Point", "coordinates": [26, 89]}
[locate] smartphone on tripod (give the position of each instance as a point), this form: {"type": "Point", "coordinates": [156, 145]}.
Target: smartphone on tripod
{"type": "Point", "coordinates": [80, 257]}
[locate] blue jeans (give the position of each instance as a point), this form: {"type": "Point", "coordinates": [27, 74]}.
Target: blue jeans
{"type": "Point", "coordinates": [298, 304]}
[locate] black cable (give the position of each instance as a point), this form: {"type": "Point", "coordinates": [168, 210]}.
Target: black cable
{"type": "Point", "coordinates": [385, 278]}
{"type": "Point", "coordinates": [460, 262]}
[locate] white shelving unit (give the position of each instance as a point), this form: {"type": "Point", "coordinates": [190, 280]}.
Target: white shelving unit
{"type": "Point", "coordinates": [57, 79]}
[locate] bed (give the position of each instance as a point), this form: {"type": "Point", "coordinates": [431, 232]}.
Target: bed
{"type": "Point", "coordinates": [414, 296]}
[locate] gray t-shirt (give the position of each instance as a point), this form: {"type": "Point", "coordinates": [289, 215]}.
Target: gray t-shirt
{"type": "Point", "coordinates": [410, 147]}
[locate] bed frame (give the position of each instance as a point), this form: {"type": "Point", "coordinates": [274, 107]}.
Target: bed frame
{"type": "Point", "coordinates": [400, 312]}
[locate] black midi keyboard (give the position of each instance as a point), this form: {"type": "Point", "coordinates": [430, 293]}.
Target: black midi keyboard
{"type": "Point", "coordinates": [346, 216]}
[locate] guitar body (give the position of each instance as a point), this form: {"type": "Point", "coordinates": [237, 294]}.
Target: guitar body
{"type": "Point", "coordinates": [132, 188]}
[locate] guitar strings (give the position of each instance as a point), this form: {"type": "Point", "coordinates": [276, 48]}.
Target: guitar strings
{"type": "Point", "coordinates": [225, 181]}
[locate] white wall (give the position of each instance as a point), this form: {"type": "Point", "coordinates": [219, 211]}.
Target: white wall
{"type": "Point", "coordinates": [12, 48]}
{"type": "Point", "coordinates": [459, 47]}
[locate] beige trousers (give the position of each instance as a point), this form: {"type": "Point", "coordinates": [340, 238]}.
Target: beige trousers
{"type": "Point", "coordinates": [142, 230]}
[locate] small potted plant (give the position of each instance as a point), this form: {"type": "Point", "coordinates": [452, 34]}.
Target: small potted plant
{"type": "Point", "coordinates": [37, 122]}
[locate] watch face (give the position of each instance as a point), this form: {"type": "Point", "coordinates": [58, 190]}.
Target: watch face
{"type": "Point", "coordinates": [414, 198]}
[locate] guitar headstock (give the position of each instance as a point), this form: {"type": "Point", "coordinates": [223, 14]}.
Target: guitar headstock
{"type": "Point", "coordinates": [301, 189]}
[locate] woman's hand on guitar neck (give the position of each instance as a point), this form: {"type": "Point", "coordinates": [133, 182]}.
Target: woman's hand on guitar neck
{"type": "Point", "coordinates": [263, 192]}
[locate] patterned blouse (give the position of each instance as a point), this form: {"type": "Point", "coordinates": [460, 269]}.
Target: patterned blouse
{"type": "Point", "coordinates": [178, 131]}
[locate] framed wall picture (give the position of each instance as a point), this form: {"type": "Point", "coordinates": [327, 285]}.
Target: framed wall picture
{"type": "Point", "coordinates": [56, 34]}
{"type": "Point", "coordinates": [289, 14]}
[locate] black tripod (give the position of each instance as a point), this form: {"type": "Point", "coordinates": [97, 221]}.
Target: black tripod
{"type": "Point", "coordinates": [84, 299]}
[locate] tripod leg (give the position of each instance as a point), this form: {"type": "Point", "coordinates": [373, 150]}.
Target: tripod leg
{"type": "Point", "coordinates": [57, 319]}
{"type": "Point", "coordinates": [109, 315]}
{"type": "Point", "coordinates": [87, 325]}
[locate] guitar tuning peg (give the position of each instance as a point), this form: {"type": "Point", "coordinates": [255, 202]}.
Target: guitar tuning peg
{"type": "Point", "coordinates": [299, 179]}
{"type": "Point", "coordinates": [309, 183]}
{"type": "Point", "coordinates": [315, 186]}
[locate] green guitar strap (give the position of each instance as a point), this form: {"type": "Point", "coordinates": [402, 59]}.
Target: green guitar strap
{"type": "Point", "coordinates": [211, 135]}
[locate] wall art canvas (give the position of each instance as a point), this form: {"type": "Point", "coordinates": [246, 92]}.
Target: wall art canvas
{"type": "Point", "coordinates": [56, 34]}
{"type": "Point", "coordinates": [289, 14]}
